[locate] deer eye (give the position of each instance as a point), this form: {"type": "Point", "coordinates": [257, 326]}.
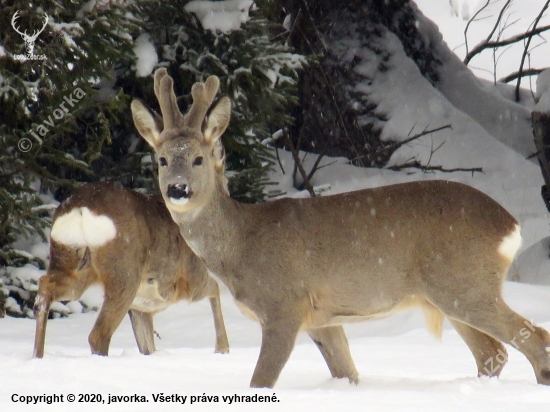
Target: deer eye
{"type": "Point", "coordinates": [163, 162]}
{"type": "Point", "coordinates": [197, 161]}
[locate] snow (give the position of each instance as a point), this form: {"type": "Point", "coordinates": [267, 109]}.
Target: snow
{"type": "Point", "coordinates": [452, 27]}
{"type": "Point", "coordinates": [400, 365]}
{"type": "Point", "coordinates": [146, 55]}
{"type": "Point", "coordinates": [224, 16]}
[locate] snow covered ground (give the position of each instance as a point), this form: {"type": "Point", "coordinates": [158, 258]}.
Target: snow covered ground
{"type": "Point", "coordinates": [401, 366]}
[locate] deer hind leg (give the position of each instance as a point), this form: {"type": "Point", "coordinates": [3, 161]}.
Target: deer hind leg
{"type": "Point", "coordinates": [278, 337]}
{"type": "Point", "coordinates": [120, 291]}
{"type": "Point", "coordinates": [41, 311]}
{"type": "Point", "coordinates": [142, 325]}
{"type": "Point", "coordinates": [334, 347]}
{"type": "Point", "coordinates": [53, 287]}
{"type": "Point", "coordinates": [489, 353]}
{"type": "Point", "coordinates": [488, 313]}
{"type": "Point", "coordinates": [222, 343]}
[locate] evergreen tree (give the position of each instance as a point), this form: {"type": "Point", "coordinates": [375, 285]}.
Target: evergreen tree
{"type": "Point", "coordinates": [48, 145]}
{"type": "Point", "coordinates": [54, 122]}
{"type": "Point", "coordinates": [257, 73]}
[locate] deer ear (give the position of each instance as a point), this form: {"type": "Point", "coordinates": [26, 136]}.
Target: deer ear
{"type": "Point", "coordinates": [148, 126]}
{"type": "Point", "coordinates": [217, 120]}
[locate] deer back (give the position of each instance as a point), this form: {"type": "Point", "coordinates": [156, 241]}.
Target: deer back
{"type": "Point", "coordinates": [104, 226]}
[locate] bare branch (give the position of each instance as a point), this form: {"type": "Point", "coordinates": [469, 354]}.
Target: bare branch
{"type": "Point", "coordinates": [298, 15]}
{"type": "Point", "coordinates": [396, 145]}
{"type": "Point", "coordinates": [514, 39]}
{"type": "Point", "coordinates": [499, 18]}
{"type": "Point", "coordinates": [279, 160]}
{"type": "Point", "coordinates": [526, 49]}
{"type": "Point", "coordinates": [470, 21]}
{"type": "Point", "coordinates": [415, 164]}
{"type": "Point", "coordinates": [315, 166]}
{"type": "Point", "coordinates": [298, 163]}
{"type": "Point", "coordinates": [525, 73]}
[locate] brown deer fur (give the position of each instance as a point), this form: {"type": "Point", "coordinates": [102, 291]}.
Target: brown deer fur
{"type": "Point", "coordinates": [312, 264]}
{"type": "Point", "coordinates": [144, 267]}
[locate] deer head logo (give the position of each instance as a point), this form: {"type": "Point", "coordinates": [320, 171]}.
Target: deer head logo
{"type": "Point", "coordinates": [29, 39]}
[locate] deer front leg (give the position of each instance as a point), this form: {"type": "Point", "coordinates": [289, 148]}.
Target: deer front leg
{"type": "Point", "coordinates": [222, 343]}
{"type": "Point", "coordinates": [278, 339]}
{"type": "Point", "coordinates": [142, 325]}
{"type": "Point", "coordinates": [334, 347]}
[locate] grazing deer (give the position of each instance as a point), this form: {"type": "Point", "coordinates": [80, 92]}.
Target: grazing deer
{"type": "Point", "coordinates": [312, 264]}
{"type": "Point", "coordinates": [128, 243]}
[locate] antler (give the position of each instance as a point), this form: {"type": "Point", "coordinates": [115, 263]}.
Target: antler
{"type": "Point", "coordinates": [13, 19]}
{"type": "Point", "coordinates": [164, 90]}
{"type": "Point", "coordinates": [203, 96]}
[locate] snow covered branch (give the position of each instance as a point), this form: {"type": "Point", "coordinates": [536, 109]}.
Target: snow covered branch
{"type": "Point", "coordinates": [525, 73]}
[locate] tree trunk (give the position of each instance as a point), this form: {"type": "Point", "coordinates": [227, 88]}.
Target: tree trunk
{"type": "Point", "coordinates": [541, 131]}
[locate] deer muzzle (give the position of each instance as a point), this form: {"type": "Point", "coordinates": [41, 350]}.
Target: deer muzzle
{"type": "Point", "coordinates": [178, 193]}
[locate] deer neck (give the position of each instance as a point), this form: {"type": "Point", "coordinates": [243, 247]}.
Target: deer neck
{"type": "Point", "coordinates": [213, 230]}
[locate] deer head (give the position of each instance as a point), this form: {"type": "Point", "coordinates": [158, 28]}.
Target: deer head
{"type": "Point", "coordinates": [29, 39]}
{"type": "Point", "coordinates": [190, 154]}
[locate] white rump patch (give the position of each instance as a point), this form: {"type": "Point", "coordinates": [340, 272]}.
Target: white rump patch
{"type": "Point", "coordinates": [81, 227]}
{"type": "Point", "coordinates": [510, 244]}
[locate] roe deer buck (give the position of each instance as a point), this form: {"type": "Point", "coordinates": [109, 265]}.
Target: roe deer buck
{"type": "Point", "coordinates": [312, 264]}
{"type": "Point", "coordinates": [127, 242]}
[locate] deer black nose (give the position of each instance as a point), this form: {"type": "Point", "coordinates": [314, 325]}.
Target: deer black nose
{"type": "Point", "coordinates": [178, 191]}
